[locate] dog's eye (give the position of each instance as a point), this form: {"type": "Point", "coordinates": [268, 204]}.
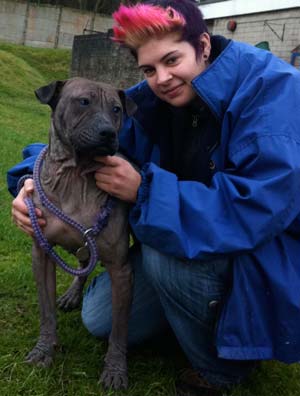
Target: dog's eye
{"type": "Point", "coordinates": [84, 102]}
{"type": "Point", "coordinates": [116, 109]}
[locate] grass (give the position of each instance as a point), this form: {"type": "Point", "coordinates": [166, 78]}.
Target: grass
{"type": "Point", "coordinates": [78, 363]}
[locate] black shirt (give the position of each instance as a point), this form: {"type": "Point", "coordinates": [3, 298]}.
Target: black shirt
{"type": "Point", "coordinates": [195, 134]}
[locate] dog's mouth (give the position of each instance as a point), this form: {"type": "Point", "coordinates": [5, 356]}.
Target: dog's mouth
{"type": "Point", "coordinates": [96, 144]}
{"type": "Point", "coordinates": [102, 151]}
{"type": "Point", "coordinates": [92, 151]}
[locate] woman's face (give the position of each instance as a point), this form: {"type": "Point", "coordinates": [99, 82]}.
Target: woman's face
{"type": "Point", "coordinates": [169, 66]}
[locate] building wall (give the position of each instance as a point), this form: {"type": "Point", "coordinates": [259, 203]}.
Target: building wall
{"type": "Point", "coordinates": [49, 26]}
{"type": "Point", "coordinates": [225, 8]}
{"type": "Point", "coordinates": [281, 29]}
{"type": "Point", "coordinates": [46, 25]}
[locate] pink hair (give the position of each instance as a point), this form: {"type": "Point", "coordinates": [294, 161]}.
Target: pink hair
{"type": "Point", "coordinates": [136, 24]}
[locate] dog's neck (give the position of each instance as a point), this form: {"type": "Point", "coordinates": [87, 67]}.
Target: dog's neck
{"type": "Point", "coordinates": [62, 170]}
{"type": "Point", "coordinates": [64, 157]}
{"type": "Point", "coordinates": [59, 152]}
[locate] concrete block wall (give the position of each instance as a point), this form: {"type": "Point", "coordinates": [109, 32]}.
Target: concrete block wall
{"type": "Point", "coordinates": [102, 23]}
{"type": "Point", "coordinates": [72, 23]}
{"type": "Point", "coordinates": [12, 17]}
{"type": "Point", "coordinates": [47, 26]}
{"type": "Point", "coordinates": [41, 25]}
{"type": "Point", "coordinates": [255, 28]}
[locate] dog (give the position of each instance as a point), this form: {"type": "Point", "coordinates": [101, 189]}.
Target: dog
{"type": "Point", "coordinates": [85, 121]}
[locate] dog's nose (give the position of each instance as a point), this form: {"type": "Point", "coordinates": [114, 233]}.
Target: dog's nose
{"type": "Point", "coordinates": [107, 133]}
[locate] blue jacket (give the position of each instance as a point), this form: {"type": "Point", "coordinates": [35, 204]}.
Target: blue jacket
{"type": "Point", "coordinates": [250, 211]}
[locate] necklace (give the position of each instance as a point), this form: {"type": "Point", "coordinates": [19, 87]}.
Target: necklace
{"type": "Point", "coordinates": [195, 118]}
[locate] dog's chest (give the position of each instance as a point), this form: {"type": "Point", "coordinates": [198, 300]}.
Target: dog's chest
{"type": "Point", "coordinates": [77, 199]}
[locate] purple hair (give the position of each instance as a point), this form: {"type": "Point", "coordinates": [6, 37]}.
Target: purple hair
{"type": "Point", "coordinates": [190, 31]}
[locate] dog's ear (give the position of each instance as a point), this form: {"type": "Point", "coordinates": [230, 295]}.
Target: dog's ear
{"type": "Point", "coordinates": [49, 94]}
{"type": "Point", "coordinates": [128, 104]}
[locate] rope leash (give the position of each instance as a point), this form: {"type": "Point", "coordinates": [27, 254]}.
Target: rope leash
{"type": "Point", "coordinates": [88, 234]}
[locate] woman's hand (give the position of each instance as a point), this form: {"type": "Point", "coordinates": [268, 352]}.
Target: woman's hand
{"type": "Point", "coordinates": [20, 213]}
{"type": "Point", "coordinates": [118, 177]}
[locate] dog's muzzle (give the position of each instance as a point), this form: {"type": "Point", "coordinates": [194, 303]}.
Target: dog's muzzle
{"type": "Point", "coordinates": [96, 139]}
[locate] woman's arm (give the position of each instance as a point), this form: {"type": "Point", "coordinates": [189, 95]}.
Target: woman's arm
{"type": "Point", "coordinates": [253, 201]}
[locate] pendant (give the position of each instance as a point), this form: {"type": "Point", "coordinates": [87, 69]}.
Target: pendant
{"type": "Point", "coordinates": [195, 121]}
{"type": "Point", "coordinates": [83, 253]}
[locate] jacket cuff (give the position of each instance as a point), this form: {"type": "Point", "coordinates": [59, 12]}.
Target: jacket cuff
{"type": "Point", "coordinates": [143, 191]}
{"type": "Point", "coordinates": [142, 194]}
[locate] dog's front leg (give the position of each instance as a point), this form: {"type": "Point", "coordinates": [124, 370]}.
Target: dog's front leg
{"type": "Point", "coordinates": [72, 298]}
{"type": "Point", "coordinates": [115, 369]}
{"type": "Point", "coordinates": [44, 271]}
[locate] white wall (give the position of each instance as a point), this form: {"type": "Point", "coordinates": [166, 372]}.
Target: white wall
{"type": "Point", "coordinates": [254, 28]}
{"type": "Point", "coordinates": [242, 7]}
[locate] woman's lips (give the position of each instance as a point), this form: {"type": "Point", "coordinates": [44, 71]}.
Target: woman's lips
{"type": "Point", "coordinates": [173, 92]}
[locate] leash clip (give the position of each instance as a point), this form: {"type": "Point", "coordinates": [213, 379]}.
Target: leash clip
{"type": "Point", "coordinates": [87, 233]}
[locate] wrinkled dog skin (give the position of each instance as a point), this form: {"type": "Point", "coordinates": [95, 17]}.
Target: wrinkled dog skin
{"type": "Point", "coordinates": [86, 118]}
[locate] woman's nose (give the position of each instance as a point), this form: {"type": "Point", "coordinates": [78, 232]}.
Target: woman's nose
{"type": "Point", "coordinates": [163, 75]}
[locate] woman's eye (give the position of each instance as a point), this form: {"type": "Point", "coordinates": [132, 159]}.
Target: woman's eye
{"type": "Point", "coordinates": [116, 109]}
{"type": "Point", "coordinates": [170, 61]}
{"type": "Point", "coordinates": [148, 72]}
{"type": "Point", "coordinates": [84, 102]}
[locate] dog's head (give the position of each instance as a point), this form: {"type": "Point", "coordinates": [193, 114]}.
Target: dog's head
{"type": "Point", "coordinates": [86, 115]}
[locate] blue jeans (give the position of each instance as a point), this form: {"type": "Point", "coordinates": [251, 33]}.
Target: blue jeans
{"type": "Point", "coordinates": [186, 295]}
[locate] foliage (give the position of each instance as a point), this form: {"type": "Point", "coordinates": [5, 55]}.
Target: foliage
{"type": "Point", "coordinates": [152, 367]}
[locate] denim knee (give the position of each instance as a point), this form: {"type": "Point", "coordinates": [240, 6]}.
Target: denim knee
{"type": "Point", "coordinates": [153, 262]}
{"type": "Point", "coordinates": [94, 327]}
{"type": "Point", "coordinates": [96, 307]}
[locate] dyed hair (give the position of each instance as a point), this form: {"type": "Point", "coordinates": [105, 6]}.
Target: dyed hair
{"type": "Point", "coordinates": [154, 18]}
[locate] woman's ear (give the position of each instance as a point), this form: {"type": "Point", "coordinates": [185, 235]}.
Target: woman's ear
{"type": "Point", "coordinates": [206, 45]}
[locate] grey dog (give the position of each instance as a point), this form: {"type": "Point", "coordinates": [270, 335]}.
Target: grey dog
{"type": "Point", "coordinates": [86, 118]}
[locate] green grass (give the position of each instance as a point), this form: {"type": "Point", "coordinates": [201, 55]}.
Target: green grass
{"type": "Point", "coordinates": [152, 368]}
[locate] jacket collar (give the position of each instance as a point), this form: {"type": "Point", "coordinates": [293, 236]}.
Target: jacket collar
{"type": "Point", "coordinates": [217, 84]}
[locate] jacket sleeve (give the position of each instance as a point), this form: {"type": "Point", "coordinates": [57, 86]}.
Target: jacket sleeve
{"type": "Point", "coordinates": [30, 154]}
{"type": "Point", "coordinates": [246, 205]}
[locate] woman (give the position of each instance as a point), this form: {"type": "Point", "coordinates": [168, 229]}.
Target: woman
{"type": "Point", "coordinates": [216, 204]}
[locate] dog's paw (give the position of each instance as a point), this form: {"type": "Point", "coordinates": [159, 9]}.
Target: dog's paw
{"type": "Point", "coordinates": [42, 355]}
{"type": "Point", "coordinates": [70, 300]}
{"type": "Point", "coordinates": [114, 378]}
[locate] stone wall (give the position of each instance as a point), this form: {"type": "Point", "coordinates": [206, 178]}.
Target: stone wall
{"type": "Point", "coordinates": [97, 57]}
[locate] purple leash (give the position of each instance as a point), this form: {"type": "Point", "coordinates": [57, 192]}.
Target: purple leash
{"type": "Point", "coordinates": [89, 234]}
